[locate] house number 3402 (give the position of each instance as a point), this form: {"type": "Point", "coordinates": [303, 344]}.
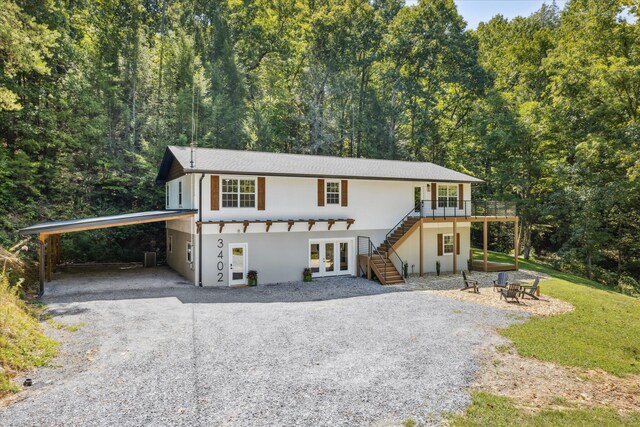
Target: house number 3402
{"type": "Point", "coordinates": [220, 264]}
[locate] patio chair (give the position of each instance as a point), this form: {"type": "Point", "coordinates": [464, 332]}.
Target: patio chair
{"type": "Point", "coordinates": [531, 290]}
{"type": "Point", "coordinates": [469, 284]}
{"type": "Point", "coordinates": [511, 292]}
{"type": "Point", "coordinates": [502, 281]}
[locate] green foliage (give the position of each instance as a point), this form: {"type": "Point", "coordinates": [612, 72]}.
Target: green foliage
{"type": "Point", "coordinates": [23, 343]}
{"type": "Point", "coordinates": [490, 410]}
{"type": "Point", "coordinates": [543, 108]}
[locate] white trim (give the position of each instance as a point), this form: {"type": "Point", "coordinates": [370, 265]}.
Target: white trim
{"type": "Point", "coordinates": [326, 192]}
{"type": "Point", "coordinates": [238, 193]}
{"type": "Point", "coordinates": [444, 236]}
{"type": "Point", "coordinates": [245, 269]}
{"type": "Point", "coordinates": [448, 199]}
{"type": "Point", "coordinates": [336, 256]}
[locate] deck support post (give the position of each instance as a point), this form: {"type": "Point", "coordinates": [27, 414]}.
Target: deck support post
{"type": "Point", "coordinates": [485, 233]}
{"type": "Point", "coordinates": [421, 248]}
{"type": "Point", "coordinates": [455, 246]}
{"type": "Point", "coordinates": [516, 242]}
{"type": "Point", "coordinates": [369, 268]}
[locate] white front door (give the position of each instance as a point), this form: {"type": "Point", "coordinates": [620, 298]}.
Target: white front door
{"type": "Point", "coordinates": [237, 264]}
{"type": "Point", "coordinates": [330, 257]}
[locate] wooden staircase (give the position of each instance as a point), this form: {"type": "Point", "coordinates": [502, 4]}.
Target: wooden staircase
{"type": "Point", "coordinates": [398, 234]}
{"type": "Point", "coordinates": [385, 271]}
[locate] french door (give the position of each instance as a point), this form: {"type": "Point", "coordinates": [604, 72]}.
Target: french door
{"type": "Point", "coordinates": [330, 257]}
{"type": "Point", "coordinates": [237, 264]}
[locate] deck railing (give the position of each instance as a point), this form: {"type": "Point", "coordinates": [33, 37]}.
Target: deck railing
{"type": "Point", "coordinates": [451, 207]}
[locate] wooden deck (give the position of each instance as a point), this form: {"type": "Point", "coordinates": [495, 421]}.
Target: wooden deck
{"type": "Point", "coordinates": [478, 265]}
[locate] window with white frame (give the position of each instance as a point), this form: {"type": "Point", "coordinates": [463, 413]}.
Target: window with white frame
{"type": "Point", "coordinates": [447, 244]}
{"type": "Point", "coordinates": [179, 194]}
{"type": "Point", "coordinates": [168, 200]}
{"type": "Point", "coordinates": [447, 196]}
{"type": "Point", "coordinates": [333, 192]}
{"type": "Point", "coordinates": [189, 252]}
{"type": "Point", "coordinates": [238, 193]}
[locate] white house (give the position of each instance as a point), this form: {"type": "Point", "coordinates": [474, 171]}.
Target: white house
{"type": "Point", "coordinates": [278, 214]}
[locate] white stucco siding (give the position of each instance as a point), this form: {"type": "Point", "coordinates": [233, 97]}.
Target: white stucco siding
{"type": "Point", "coordinates": [277, 257]}
{"type": "Point", "coordinates": [373, 204]}
{"type": "Point", "coordinates": [184, 225]}
{"type": "Point", "coordinates": [430, 237]}
{"type": "Point", "coordinates": [173, 187]}
{"type": "Point", "coordinates": [177, 253]}
{"type": "Point", "coordinates": [409, 250]}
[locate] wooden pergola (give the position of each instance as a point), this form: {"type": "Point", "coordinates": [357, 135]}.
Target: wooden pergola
{"type": "Point", "coordinates": [269, 222]}
{"type": "Point", "coordinates": [50, 233]}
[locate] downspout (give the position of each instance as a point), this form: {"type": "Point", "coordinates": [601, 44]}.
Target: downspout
{"type": "Point", "coordinates": [200, 232]}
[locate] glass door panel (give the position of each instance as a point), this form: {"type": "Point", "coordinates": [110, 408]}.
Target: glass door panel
{"type": "Point", "coordinates": [344, 256]}
{"type": "Point", "coordinates": [329, 256]}
{"type": "Point", "coordinates": [314, 258]}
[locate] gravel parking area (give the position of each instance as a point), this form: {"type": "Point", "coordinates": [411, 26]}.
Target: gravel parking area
{"type": "Point", "coordinates": [345, 351]}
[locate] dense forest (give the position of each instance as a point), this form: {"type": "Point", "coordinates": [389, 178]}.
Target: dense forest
{"type": "Point", "coordinates": [544, 108]}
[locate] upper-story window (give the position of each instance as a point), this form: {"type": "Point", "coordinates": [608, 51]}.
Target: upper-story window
{"type": "Point", "coordinates": [180, 194]}
{"type": "Point", "coordinates": [333, 193]}
{"type": "Point", "coordinates": [447, 196]}
{"type": "Point", "coordinates": [168, 199]}
{"type": "Point", "coordinates": [238, 193]}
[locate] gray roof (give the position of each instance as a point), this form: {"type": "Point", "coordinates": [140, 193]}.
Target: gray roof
{"type": "Point", "coordinates": [104, 221]}
{"type": "Point", "coordinates": [210, 160]}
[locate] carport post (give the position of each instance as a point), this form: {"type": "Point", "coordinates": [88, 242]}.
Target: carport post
{"type": "Point", "coordinates": [42, 260]}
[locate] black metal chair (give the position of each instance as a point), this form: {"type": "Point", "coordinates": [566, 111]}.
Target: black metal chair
{"type": "Point", "coordinates": [469, 284]}
{"type": "Point", "coordinates": [502, 281]}
{"type": "Point", "coordinates": [531, 290]}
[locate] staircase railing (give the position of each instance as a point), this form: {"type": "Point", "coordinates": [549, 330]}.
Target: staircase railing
{"type": "Point", "coordinates": [366, 247]}
{"type": "Point", "coordinates": [401, 225]}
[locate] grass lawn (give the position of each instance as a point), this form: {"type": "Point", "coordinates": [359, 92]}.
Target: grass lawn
{"type": "Point", "coordinates": [602, 332]}
{"type": "Point", "coordinates": [490, 410]}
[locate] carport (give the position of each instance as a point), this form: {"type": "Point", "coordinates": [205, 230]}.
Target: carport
{"type": "Point", "coordinates": [50, 233]}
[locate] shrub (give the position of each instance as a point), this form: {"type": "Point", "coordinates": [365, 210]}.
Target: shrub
{"type": "Point", "coordinates": [628, 285]}
{"type": "Point", "coordinates": [23, 343]}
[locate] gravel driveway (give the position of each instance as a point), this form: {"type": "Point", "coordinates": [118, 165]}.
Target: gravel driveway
{"type": "Point", "coordinates": [156, 351]}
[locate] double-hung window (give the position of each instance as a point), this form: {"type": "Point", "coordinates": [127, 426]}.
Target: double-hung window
{"type": "Point", "coordinates": [447, 244]}
{"type": "Point", "coordinates": [447, 196]}
{"type": "Point", "coordinates": [238, 193]}
{"type": "Point", "coordinates": [333, 192]}
{"type": "Point", "coordinates": [168, 197]}
{"type": "Point", "coordinates": [179, 194]}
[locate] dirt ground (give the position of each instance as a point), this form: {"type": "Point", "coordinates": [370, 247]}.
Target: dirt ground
{"type": "Point", "coordinates": [535, 384]}
{"type": "Point", "coordinates": [545, 306]}
{"type": "Point", "coordinates": [532, 383]}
